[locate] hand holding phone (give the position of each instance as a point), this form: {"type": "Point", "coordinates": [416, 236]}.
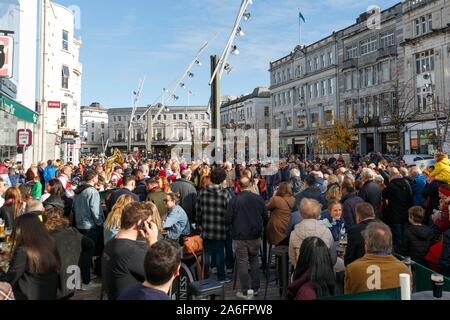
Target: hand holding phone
{"type": "Point", "coordinates": [149, 231]}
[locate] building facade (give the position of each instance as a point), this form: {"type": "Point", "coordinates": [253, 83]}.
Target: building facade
{"type": "Point", "coordinates": [175, 126]}
{"type": "Point", "coordinates": [251, 111]}
{"type": "Point", "coordinates": [60, 89]}
{"type": "Point", "coordinates": [304, 95]}
{"type": "Point", "coordinates": [17, 93]}
{"type": "Point", "coordinates": [426, 27]}
{"type": "Point", "coordinates": [94, 129]}
{"type": "Point", "coordinates": [371, 64]}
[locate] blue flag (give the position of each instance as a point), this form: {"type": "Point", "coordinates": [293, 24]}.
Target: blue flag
{"type": "Point", "coordinates": [302, 18]}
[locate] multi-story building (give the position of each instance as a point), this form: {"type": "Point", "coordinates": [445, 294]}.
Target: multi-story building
{"type": "Point", "coordinates": [17, 93]}
{"type": "Point", "coordinates": [60, 91]}
{"type": "Point", "coordinates": [426, 25]}
{"type": "Point", "coordinates": [303, 94]}
{"type": "Point", "coordinates": [251, 111]}
{"type": "Point", "coordinates": [371, 75]}
{"type": "Point", "coordinates": [94, 128]}
{"type": "Point", "coordinates": [175, 126]}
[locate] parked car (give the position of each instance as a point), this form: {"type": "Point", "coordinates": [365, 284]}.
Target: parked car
{"type": "Point", "coordinates": [417, 158]}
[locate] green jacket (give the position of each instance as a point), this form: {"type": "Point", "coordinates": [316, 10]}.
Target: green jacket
{"type": "Point", "coordinates": [36, 192]}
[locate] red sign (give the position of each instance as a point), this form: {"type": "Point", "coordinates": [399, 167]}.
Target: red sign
{"type": "Point", "coordinates": [54, 105]}
{"type": "Point", "coordinates": [24, 138]}
{"type": "Point", "coordinates": [6, 56]}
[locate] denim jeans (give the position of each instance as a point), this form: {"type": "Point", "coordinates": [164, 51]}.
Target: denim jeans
{"type": "Point", "coordinates": [397, 234]}
{"type": "Point", "coordinates": [215, 249]}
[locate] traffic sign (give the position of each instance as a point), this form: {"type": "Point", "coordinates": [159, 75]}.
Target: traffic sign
{"type": "Point", "coordinates": [6, 56]}
{"type": "Point", "coordinates": [24, 138]}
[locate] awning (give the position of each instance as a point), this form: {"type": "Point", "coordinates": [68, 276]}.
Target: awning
{"type": "Point", "coordinates": [18, 110]}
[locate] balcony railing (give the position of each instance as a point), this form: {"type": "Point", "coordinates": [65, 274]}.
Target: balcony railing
{"type": "Point", "coordinates": [384, 52]}
{"type": "Point", "coordinates": [350, 63]}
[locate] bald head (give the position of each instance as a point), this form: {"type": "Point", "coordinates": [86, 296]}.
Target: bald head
{"type": "Point", "coordinates": [245, 183]}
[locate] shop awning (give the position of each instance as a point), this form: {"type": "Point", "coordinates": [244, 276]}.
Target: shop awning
{"type": "Point", "coordinates": [18, 110]}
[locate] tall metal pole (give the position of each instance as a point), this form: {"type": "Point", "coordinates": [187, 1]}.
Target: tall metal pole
{"type": "Point", "coordinates": [215, 95]}
{"type": "Point", "coordinates": [149, 132]}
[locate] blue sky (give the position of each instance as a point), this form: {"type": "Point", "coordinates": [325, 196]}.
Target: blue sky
{"type": "Point", "coordinates": [123, 41]}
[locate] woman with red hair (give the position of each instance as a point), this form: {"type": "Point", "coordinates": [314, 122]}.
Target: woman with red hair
{"type": "Point", "coordinates": [12, 207]}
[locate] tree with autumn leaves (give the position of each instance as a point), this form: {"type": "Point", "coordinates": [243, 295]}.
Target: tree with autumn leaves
{"type": "Point", "coordinates": [337, 138]}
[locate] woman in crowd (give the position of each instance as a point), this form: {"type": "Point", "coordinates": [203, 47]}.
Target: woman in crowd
{"type": "Point", "coordinates": [314, 275]}
{"type": "Point", "coordinates": [205, 182]}
{"type": "Point", "coordinates": [163, 184]}
{"type": "Point", "coordinates": [177, 222]}
{"type": "Point", "coordinates": [281, 206]}
{"type": "Point", "coordinates": [34, 268]}
{"type": "Point", "coordinates": [334, 220]}
{"type": "Point", "coordinates": [70, 244]}
{"type": "Point", "coordinates": [32, 173]}
{"type": "Point", "coordinates": [57, 198]}
{"type": "Point", "coordinates": [112, 224]}
{"type": "Point", "coordinates": [12, 207]}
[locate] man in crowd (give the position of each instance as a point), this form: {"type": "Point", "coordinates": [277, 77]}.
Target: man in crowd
{"type": "Point", "coordinates": [378, 269]}
{"type": "Point", "coordinates": [89, 220]}
{"type": "Point", "coordinates": [350, 201]}
{"type": "Point", "coordinates": [161, 266]}
{"type": "Point", "coordinates": [141, 189]}
{"type": "Point", "coordinates": [157, 195]}
{"type": "Point", "coordinates": [50, 171]}
{"type": "Point", "coordinates": [311, 192]}
{"type": "Point", "coordinates": [129, 184]}
{"type": "Point", "coordinates": [355, 241]}
{"type": "Point", "coordinates": [420, 181]}
{"type": "Point", "coordinates": [124, 256]}
{"type": "Point", "coordinates": [247, 214]}
{"type": "Point", "coordinates": [187, 192]}
{"type": "Point", "coordinates": [399, 199]}
{"type": "Point", "coordinates": [116, 176]}
{"type": "Point", "coordinates": [370, 192]}
{"type": "Point", "coordinates": [211, 208]}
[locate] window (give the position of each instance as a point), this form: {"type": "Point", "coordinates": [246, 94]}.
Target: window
{"type": "Point", "coordinates": [309, 66]}
{"type": "Point", "coordinates": [284, 75]}
{"type": "Point", "coordinates": [421, 140]}
{"type": "Point", "coordinates": [386, 104]}
{"type": "Point", "coordinates": [288, 74]}
{"type": "Point", "coordinates": [180, 117]}
{"type": "Point", "coordinates": [368, 45]}
{"type": "Point", "coordinates": [425, 61]}
{"type": "Point", "coordinates": [103, 125]}
{"type": "Point", "coordinates": [316, 90]}
{"type": "Point", "coordinates": [266, 112]}
{"type": "Point", "coordinates": [424, 100]}
{"type": "Point", "coordinates": [349, 111]}
{"type": "Point", "coordinates": [369, 77]}
{"type": "Point", "coordinates": [165, 117]}
{"type": "Point", "coordinates": [120, 118]}
{"type": "Point", "coordinates": [330, 86]}
{"type": "Point", "coordinates": [288, 122]}
{"type": "Point", "coordinates": [63, 115]}
{"type": "Point", "coordinates": [316, 63]}
{"type": "Point", "coordinates": [387, 40]}
{"type": "Point", "coordinates": [348, 80]}
{"type": "Point", "coordinates": [93, 125]}
{"type": "Point", "coordinates": [114, 119]}
{"type": "Point", "coordinates": [324, 88]}
{"type": "Point", "coordinates": [301, 119]}
{"type": "Point", "coordinates": [65, 77]}
{"type": "Point", "coordinates": [159, 118]}
{"type": "Point", "coordinates": [65, 40]}
{"type": "Point", "coordinates": [323, 62]}
{"type": "Point", "coordinates": [330, 58]}
{"type": "Point", "coordinates": [314, 119]}
{"type": "Point", "coordinates": [328, 115]}
{"type": "Point", "coordinates": [385, 71]}
{"type": "Point", "coordinates": [352, 52]}
{"type": "Point", "coordinates": [423, 25]}
{"type": "Point", "coordinates": [361, 78]}
{"type": "Point", "coordinates": [202, 117]}
{"type": "Point", "coordinates": [355, 79]}
{"type": "Point", "coordinates": [92, 136]}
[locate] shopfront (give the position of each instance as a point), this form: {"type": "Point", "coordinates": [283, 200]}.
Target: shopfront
{"type": "Point", "coordinates": [423, 141]}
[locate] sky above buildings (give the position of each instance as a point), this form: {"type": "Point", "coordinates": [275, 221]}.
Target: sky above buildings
{"type": "Point", "coordinates": [125, 41]}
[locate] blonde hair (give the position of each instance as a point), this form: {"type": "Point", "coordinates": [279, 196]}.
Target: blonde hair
{"type": "Point", "coordinates": [113, 220]}
{"type": "Point", "coordinates": [334, 194]}
{"type": "Point", "coordinates": [156, 217]}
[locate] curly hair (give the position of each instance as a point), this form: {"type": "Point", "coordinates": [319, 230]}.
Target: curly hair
{"type": "Point", "coordinates": [54, 219]}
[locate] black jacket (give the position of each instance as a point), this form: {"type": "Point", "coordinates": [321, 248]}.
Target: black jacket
{"type": "Point", "coordinates": [399, 196]}
{"type": "Point", "coordinates": [311, 193]}
{"type": "Point", "coordinates": [141, 190]}
{"type": "Point", "coordinates": [6, 214]}
{"type": "Point", "coordinates": [63, 203]}
{"type": "Point", "coordinates": [371, 192]}
{"type": "Point", "coordinates": [247, 213]}
{"type": "Point", "coordinates": [27, 285]}
{"type": "Point", "coordinates": [444, 261]}
{"type": "Point", "coordinates": [431, 195]}
{"type": "Point", "coordinates": [349, 203]}
{"type": "Point", "coordinates": [355, 242]}
{"type": "Point", "coordinates": [188, 194]}
{"type": "Point", "coordinates": [416, 242]}
{"type": "Point", "coordinates": [117, 194]}
{"type": "Point", "coordinates": [70, 244]}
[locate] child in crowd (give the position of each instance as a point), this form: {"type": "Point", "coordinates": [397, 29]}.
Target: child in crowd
{"type": "Point", "coordinates": [333, 219]}
{"type": "Point", "coordinates": [417, 238]}
{"type": "Point", "coordinates": [441, 170]}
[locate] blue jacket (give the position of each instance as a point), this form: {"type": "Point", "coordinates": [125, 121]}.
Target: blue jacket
{"type": "Point", "coordinates": [417, 189]}
{"type": "Point", "coordinates": [177, 223]}
{"type": "Point", "coordinates": [335, 226]}
{"type": "Point", "coordinates": [50, 173]}
{"type": "Point", "coordinates": [87, 208]}
{"type": "Point", "coordinates": [14, 179]}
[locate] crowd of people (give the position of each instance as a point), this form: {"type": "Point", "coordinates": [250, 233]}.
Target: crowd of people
{"type": "Point", "coordinates": [337, 218]}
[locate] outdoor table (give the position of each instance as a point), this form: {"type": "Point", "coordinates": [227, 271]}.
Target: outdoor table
{"type": "Point", "coordinates": [428, 295]}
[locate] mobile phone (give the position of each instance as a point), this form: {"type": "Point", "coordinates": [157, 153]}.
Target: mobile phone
{"type": "Point", "coordinates": [142, 225]}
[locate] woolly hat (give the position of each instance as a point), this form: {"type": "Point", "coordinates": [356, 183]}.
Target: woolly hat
{"type": "Point", "coordinates": [444, 191]}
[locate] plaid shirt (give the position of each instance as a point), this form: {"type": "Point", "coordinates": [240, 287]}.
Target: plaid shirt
{"type": "Point", "coordinates": [211, 208]}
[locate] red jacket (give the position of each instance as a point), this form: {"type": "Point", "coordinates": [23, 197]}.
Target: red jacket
{"type": "Point", "coordinates": [301, 289]}
{"type": "Point", "coordinates": [443, 223]}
